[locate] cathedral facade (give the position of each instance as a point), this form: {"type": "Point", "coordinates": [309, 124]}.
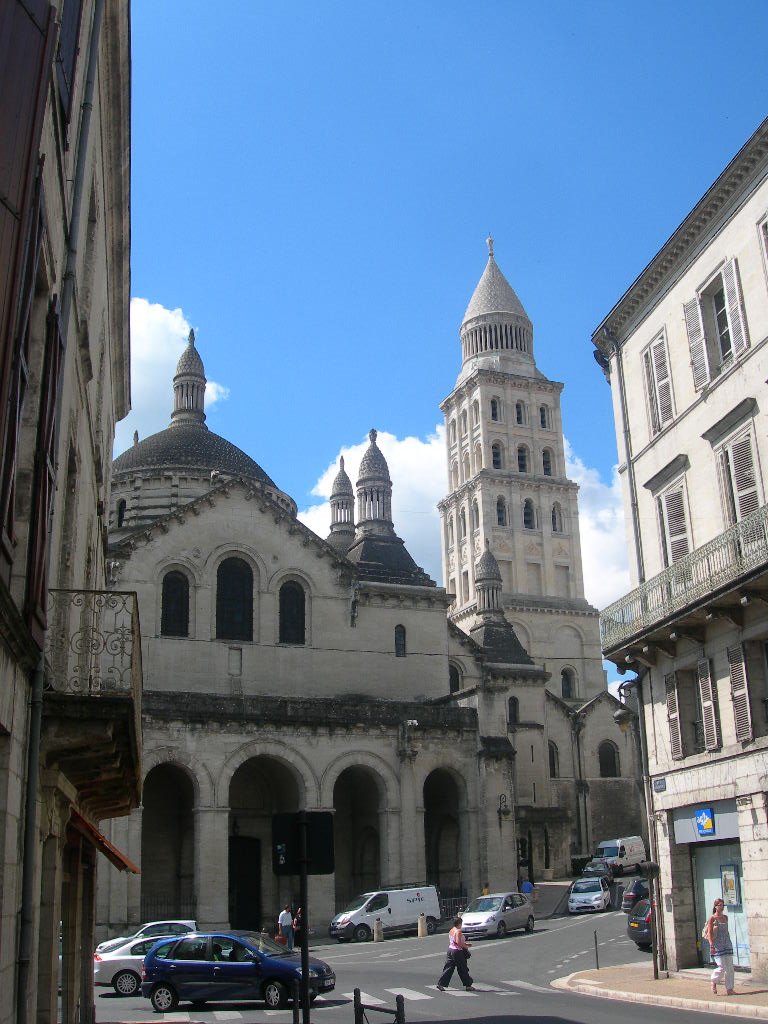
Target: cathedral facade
{"type": "Point", "coordinates": [285, 671]}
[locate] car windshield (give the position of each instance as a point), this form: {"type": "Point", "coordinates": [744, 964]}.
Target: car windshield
{"type": "Point", "coordinates": [484, 904]}
{"type": "Point", "coordinates": [586, 885]}
{"type": "Point", "coordinates": [608, 851]}
{"type": "Point", "coordinates": [356, 903]}
{"type": "Point", "coordinates": [594, 866]}
{"type": "Point", "coordinates": [262, 942]}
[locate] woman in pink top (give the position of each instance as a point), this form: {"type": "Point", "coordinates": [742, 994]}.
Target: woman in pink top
{"type": "Point", "coordinates": [456, 959]}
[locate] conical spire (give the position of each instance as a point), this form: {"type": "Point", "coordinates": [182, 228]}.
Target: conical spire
{"type": "Point", "coordinates": [374, 490]}
{"type": "Point", "coordinates": [496, 330]}
{"type": "Point", "coordinates": [189, 387]}
{"type": "Point", "coordinates": [342, 510]}
{"type": "Point", "coordinates": [488, 582]}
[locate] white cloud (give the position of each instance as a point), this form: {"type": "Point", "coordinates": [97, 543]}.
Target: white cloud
{"type": "Point", "coordinates": [603, 537]}
{"type": "Point", "coordinates": [419, 480]}
{"type": "Point", "coordinates": [158, 337]}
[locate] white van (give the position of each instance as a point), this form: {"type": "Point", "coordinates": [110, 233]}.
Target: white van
{"type": "Point", "coordinates": [398, 909]}
{"type": "Point", "coordinates": [623, 853]}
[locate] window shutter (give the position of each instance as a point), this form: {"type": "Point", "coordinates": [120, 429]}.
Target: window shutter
{"type": "Point", "coordinates": [742, 713]}
{"type": "Point", "coordinates": [663, 381]}
{"type": "Point", "coordinates": [708, 709]}
{"type": "Point", "coordinates": [743, 470]}
{"type": "Point", "coordinates": [738, 325]}
{"type": "Point", "coordinates": [673, 717]}
{"type": "Point", "coordinates": [675, 524]}
{"type": "Point", "coordinates": [694, 327]}
{"type": "Point", "coordinates": [650, 387]}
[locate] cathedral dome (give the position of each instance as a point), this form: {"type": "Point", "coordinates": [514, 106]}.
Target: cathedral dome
{"type": "Point", "coordinates": [342, 485]}
{"type": "Point", "coordinates": [373, 464]}
{"type": "Point", "coordinates": [189, 360]}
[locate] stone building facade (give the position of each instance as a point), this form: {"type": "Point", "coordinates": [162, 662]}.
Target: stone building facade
{"type": "Point", "coordinates": [686, 354]}
{"type": "Point", "coordinates": [70, 668]}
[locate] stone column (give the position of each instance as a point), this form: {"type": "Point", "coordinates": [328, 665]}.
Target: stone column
{"type": "Point", "coordinates": [212, 867]}
{"type": "Point", "coordinates": [389, 846]}
{"type": "Point", "coordinates": [412, 852]}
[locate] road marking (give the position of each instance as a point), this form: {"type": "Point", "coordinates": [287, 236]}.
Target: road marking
{"type": "Point", "coordinates": [408, 993]}
{"type": "Point", "coordinates": [455, 992]}
{"type": "Point", "coordinates": [529, 987]}
{"type": "Point", "coordinates": [227, 1015]}
{"type": "Point", "coordinates": [365, 998]}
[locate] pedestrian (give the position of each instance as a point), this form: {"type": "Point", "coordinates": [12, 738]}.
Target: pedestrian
{"type": "Point", "coordinates": [486, 889]}
{"type": "Point", "coordinates": [285, 923]}
{"type": "Point", "coordinates": [456, 959]}
{"type": "Point", "coordinates": [720, 947]}
{"type": "Point", "coordinates": [528, 889]}
{"type": "Point", "coordinates": [297, 928]}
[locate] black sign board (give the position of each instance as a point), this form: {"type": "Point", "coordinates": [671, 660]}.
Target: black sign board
{"type": "Point", "coordinates": [287, 843]}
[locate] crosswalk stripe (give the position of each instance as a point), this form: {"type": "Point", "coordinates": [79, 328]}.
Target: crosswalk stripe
{"type": "Point", "coordinates": [455, 992]}
{"type": "Point", "coordinates": [531, 988]}
{"type": "Point", "coordinates": [227, 1015]}
{"type": "Point", "coordinates": [408, 993]}
{"type": "Point", "coordinates": [365, 998]}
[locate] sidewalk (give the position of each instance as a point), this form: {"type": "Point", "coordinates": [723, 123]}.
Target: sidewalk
{"type": "Point", "coordinates": [688, 989]}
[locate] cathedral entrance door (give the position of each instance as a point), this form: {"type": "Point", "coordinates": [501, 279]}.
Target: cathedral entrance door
{"type": "Point", "coordinates": [245, 882]}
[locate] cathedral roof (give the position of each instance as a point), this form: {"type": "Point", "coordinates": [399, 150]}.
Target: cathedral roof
{"type": "Point", "coordinates": [494, 293]}
{"type": "Point", "coordinates": [189, 446]}
{"type": "Point", "coordinates": [384, 559]}
{"type": "Point", "coordinates": [500, 643]}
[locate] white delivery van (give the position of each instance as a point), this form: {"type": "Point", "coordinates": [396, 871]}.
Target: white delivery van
{"type": "Point", "coordinates": [623, 854]}
{"type": "Point", "coordinates": [398, 910]}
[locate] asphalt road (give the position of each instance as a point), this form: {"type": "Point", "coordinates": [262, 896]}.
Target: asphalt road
{"type": "Point", "coordinates": [512, 976]}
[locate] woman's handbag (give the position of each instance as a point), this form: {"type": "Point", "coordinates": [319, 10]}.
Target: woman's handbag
{"type": "Point", "coordinates": [281, 939]}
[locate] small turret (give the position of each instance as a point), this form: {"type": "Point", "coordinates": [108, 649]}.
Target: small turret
{"type": "Point", "coordinates": [342, 510]}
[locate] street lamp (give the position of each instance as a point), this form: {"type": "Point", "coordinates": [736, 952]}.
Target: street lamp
{"type": "Point", "coordinates": [624, 718]}
{"type": "Point", "coordinates": [503, 809]}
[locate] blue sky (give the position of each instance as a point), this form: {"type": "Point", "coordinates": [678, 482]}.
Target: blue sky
{"type": "Point", "coordinates": [313, 183]}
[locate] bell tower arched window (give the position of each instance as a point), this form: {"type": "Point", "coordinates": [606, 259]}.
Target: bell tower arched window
{"type": "Point", "coordinates": [557, 518]}
{"type": "Point", "coordinates": [501, 512]}
{"type": "Point", "coordinates": [513, 712]}
{"type": "Point", "coordinates": [234, 600]}
{"type": "Point", "coordinates": [292, 613]}
{"type": "Point", "coordinates": [554, 761]}
{"type": "Point", "coordinates": [497, 459]}
{"type": "Point", "coordinates": [174, 616]}
{"type": "Point", "coordinates": [568, 683]}
{"type": "Point", "coordinates": [522, 459]}
{"type": "Point", "coordinates": [546, 462]}
{"type": "Point", "coordinates": [608, 757]}
{"type": "Point", "coordinates": [529, 515]}
{"type": "Point", "coordinates": [495, 410]}
{"type": "Point", "coordinates": [454, 679]}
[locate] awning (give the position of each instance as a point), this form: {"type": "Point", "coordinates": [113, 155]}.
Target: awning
{"type": "Point", "coordinates": [110, 851]}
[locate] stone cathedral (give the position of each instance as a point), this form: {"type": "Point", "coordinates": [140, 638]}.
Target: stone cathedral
{"type": "Point", "coordinates": [459, 734]}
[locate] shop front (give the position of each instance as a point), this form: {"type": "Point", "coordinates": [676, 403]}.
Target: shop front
{"type": "Point", "coordinates": [710, 831]}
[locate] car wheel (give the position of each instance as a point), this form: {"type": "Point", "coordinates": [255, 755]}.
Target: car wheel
{"type": "Point", "coordinates": [164, 998]}
{"type": "Point", "coordinates": [529, 924]}
{"type": "Point", "coordinates": [431, 926]}
{"type": "Point", "coordinates": [125, 983]}
{"type": "Point", "coordinates": [362, 933]}
{"type": "Point", "coordinates": [275, 995]}
{"type": "Point", "coordinates": [501, 930]}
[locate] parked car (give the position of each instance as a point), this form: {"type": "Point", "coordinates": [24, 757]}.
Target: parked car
{"type": "Point", "coordinates": [589, 894]}
{"type": "Point", "coordinates": [121, 967]}
{"type": "Point", "coordinates": [152, 928]}
{"type": "Point", "coordinates": [624, 854]}
{"type": "Point", "coordinates": [598, 867]}
{"type": "Point", "coordinates": [218, 966]}
{"type": "Point", "coordinates": [639, 924]}
{"type": "Point", "coordinates": [397, 909]}
{"type": "Point", "coordinates": [496, 914]}
{"type": "Point", "coordinates": [637, 891]}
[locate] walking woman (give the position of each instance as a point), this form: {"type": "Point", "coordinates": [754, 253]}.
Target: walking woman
{"type": "Point", "coordinates": [720, 947]}
{"type": "Point", "coordinates": [456, 959]}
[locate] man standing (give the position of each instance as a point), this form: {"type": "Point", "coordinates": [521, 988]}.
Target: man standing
{"type": "Point", "coordinates": [285, 922]}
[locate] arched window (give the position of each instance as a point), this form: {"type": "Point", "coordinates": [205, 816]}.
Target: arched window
{"type": "Point", "coordinates": [400, 651]}
{"type": "Point", "coordinates": [465, 466]}
{"type": "Point", "coordinates": [513, 712]}
{"type": "Point", "coordinates": [529, 515]}
{"type": "Point", "coordinates": [520, 412]}
{"type": "Point", "coordinates": [455, 475]}
{"type": "Point", "coordinates": [462, 524]}
{"type": "Point", "coordinates": [452, 431]}
{"type": "Point", "coordinates": [478, 458]}
{"type": "Point", "coordinates": [544, 416]}
{"type": "Point", "coordinates": [121, 506]}
{"type": "Point", "coordinates": [450, 533]}
{"type": "Point", "coordinates": [501, 512]}
{"type": "Point", "coordinates": [454, 679]}
{"type": "Point", "coordinates": [568, 683]}
{"type": "Point", "coordinates": [475, 515]}
{"type": "Point", "coordinates": [554, 761]}
{"type": "Point", "coordinates": [234, 600]}
{"type": "Point", "coordinates": [475, 412]}
{"type": "Point", "coordinates": [463, 423]}
{"type": "Point", "coordinates": [608, 756]}
{"type": "Point", "coordinates": [496, 456]}
{"type": "Point", "coordinates": [546, 462]}
{"type": "Point", "coordinates": [522, 459]}
{"type": "Point", "coordinates": [557, 518]}
{"type": "Point", "coordinates": [495, 410]}
{"type": "Point", "coordinates": [292, 613]}
{"type": "Point", "coordinates": [174, 616]}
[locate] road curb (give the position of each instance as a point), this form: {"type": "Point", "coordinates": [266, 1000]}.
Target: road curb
{"type": "Point", "coordinates": [570, 983]}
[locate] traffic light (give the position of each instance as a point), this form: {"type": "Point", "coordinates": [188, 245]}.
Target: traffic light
{"type": "Point", "coordinates": [286, 843]}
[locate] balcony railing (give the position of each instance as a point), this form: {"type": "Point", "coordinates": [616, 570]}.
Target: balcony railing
{"type": "Point", "coordinates": [93, 644]}
{"type": "Point", "coordinates": [739, 551]}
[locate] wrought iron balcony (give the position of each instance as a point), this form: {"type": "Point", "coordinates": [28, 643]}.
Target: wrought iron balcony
{"type": "Point", "coordinates": [727, 561]}
{"type": "Point", "coordinates": [92, 702]}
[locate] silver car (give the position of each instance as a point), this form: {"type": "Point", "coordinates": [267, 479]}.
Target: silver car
{"type": "Point", "coordinates": [121, 966]}
{"type": "Point", "coordinates": [589, 894]}
{"type": "Point", "coordinates": [494, 915]}
{"type": "Point", "coordinates": [156, 928]}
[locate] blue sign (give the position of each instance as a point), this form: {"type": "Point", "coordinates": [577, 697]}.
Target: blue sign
{"type": "Point", "coordinates": [705, 821]}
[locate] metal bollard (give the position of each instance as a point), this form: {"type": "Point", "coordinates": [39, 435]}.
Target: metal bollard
{"type": "Point", "coordinates": [358, 1005]}
{"type": "Point", "coordinates": [421, 928]}
{"type": "Point", "coordinates": [378, 930]}
{"type": "Point", "coordinates": [296, 1001]}
{"type": "Point", "coordinates": [400, 1011]}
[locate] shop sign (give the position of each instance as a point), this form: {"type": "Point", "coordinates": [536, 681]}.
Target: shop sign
{"type": "Point", "coordinates": [659, 785]}
{"type": "Point", "coordinates": [705, 821]}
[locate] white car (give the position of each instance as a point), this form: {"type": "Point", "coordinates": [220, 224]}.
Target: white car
{"type": "Point", "coordinates": [494, 915]}
{"type": "Point", "coordinates": [121, 967]}
{"type": "Point", "coordinates": [589, 894]}
{"type": "Point", "coordinates": [156, 928]}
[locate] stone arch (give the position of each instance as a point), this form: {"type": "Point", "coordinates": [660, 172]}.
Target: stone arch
{"type": "Point", "coordinates": [199, 774]}
{"type": "Point", "coordinates": [360, 828]}
{"type": "Point", "coordinates": [309, 785]}
{"type": "Point", "coordinates": [569, 643]}
{"type": "Point", "coordinates": [445, 844]}
{"type": "Point", "coordinates": [388, 781]}
{"type": "Point", "coordinates": [168, 843]}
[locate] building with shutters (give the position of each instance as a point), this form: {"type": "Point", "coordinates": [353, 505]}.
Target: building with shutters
{"type": "Point", "coordinates": [70, 658]}
{"type": "Point", "coordinates": [686, 353]}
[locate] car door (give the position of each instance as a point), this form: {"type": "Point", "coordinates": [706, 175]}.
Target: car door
{"type": "Point", "coordinates": [520, 910]}
{"type": "Point", "coordinates": [606, 892]}
{"type": "Point", "coordinates": [378, 906]}
{"type": "Point", "coordinates": [190, 971]}
{"type": "Point", "coordinates": [237, 971]}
